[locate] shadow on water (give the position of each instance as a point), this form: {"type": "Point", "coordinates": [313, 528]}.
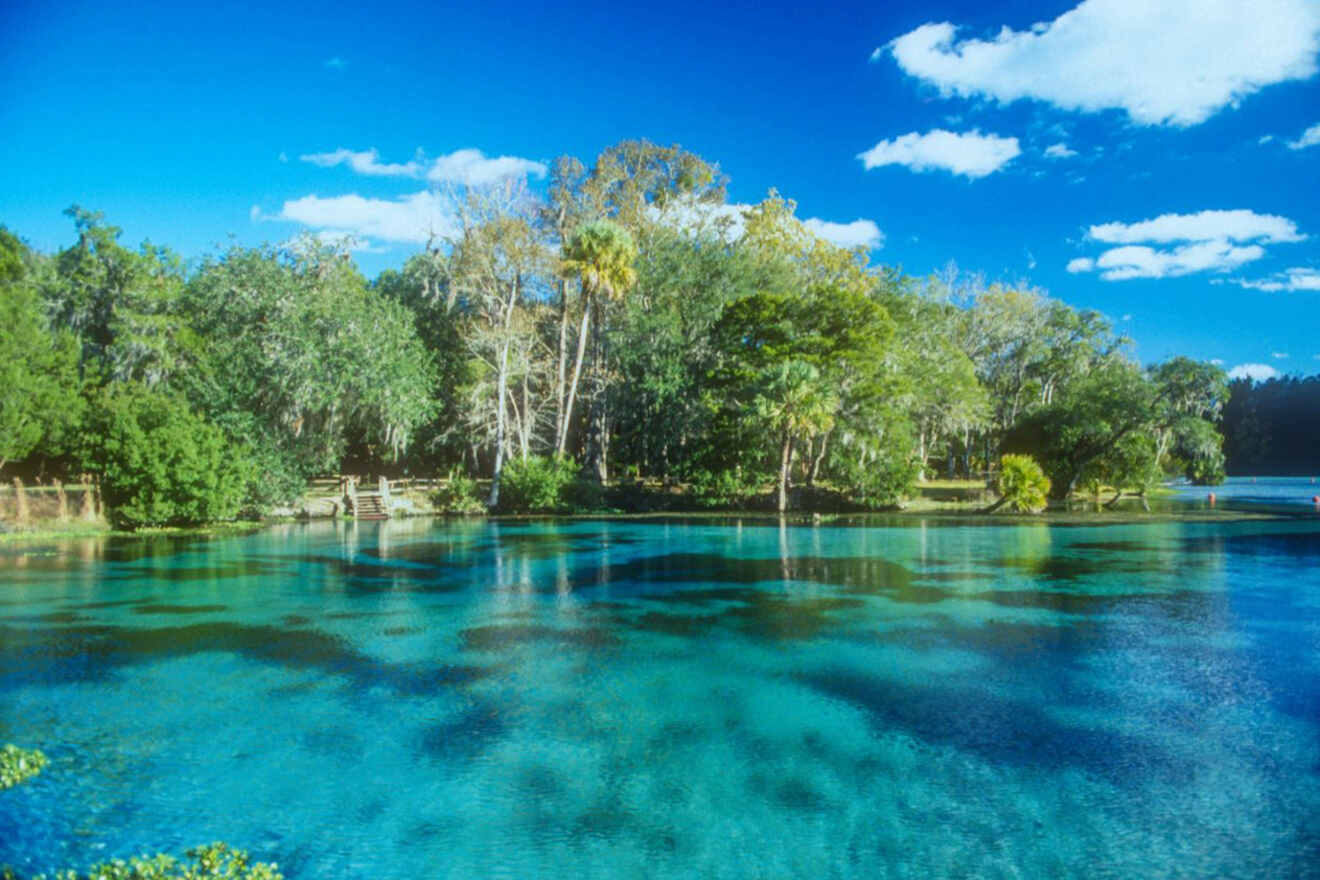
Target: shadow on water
{"type": "Point", "coordinates": [78, 654]}
{"type": "Point", "coordinates": [999, 729]}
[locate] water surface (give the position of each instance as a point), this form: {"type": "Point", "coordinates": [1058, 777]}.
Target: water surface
{"type": "Point", "coordinates": [674, 699]}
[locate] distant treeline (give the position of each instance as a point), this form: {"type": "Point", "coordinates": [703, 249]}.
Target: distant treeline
{"type": "Point", "coordinates": [1273, 428]}
{"type": "Point", "coordinates": [624, 323]}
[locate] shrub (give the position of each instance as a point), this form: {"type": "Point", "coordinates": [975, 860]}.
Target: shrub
{"type": "Point", "coordinates": [19, 765]}
{"type": "Point", "coordinates": [535, 484]}
{"type": "Point", "coordinates": [881, 482]}
{"type": "Point", "coordinates": [724, 489]}
{"type": "Point", "coordinates": [458, 495]}
{"type": "Point", "coordinates": [1021, 484]}
{"type": "Point", "coordinates": [160, 463]}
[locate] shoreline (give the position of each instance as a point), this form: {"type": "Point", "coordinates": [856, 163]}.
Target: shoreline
{"type": "Point", "coordinates": [942, 516]}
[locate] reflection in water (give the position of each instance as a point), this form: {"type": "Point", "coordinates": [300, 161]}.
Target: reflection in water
{"type": "Point", "coordinates": [664, 698]}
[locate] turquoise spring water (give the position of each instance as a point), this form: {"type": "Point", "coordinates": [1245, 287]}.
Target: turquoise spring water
{"type": "Point", "coordinates": [678, 698]}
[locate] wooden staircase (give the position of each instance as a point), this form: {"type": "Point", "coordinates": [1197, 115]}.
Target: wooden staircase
{"type": "Point", "coordinates": [370, 506]}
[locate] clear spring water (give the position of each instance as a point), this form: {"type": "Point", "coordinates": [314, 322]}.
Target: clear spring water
{"type": "Point", "coordinates": [674, 699]}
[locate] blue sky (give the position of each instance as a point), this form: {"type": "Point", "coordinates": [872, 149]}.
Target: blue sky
{"type": "Point", "coordinates": [1159, 161]}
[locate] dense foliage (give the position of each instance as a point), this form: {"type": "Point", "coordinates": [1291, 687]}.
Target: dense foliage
{"type": "Point", "coordinates": [625, 321]}
{"type": "Point", "coordinates": [160, 463]}
{"type": "Point", "coordinates": [19, 765]}
{"type": "Point", "coordinates": [1021, 484]}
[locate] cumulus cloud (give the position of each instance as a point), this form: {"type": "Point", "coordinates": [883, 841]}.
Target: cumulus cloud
{"type": "Point", "coordinates": [1218, 362]}
{"type": "Point", "coordinates": [474, 168]}
{"type": "Point", "coordinates": [858, 233]}
{"type": "Point", "coordinates": [1297, 278]}
{"type": "Point", "coordinates": [1209, 241]}
{"type": "Point", "coordinates": [411, 218]}
{"type": "Point", "coordinates": [1254, 372]}
{"type": "Point", "coordinates": [1059, 151]}
{"type": "Point", "coordinates": [1279, 355]}
{"type": "Point", "coordinates": [468, 167]}
{"type": "Point", "coordinates": [1204, 226]}
{"type": "Point", "coordinates": [970, 154]}
{"type": "Point", "coordinates": [1163, 62]}
{"type": "Point", "coordinates": [1140, 261]}
{"type": "Point", "coordinates": [365, 162]}
{"type": "Point", "coordinates": [1309, 138]}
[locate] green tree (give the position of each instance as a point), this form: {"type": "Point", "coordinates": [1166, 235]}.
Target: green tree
{"type": "Point", "coordinates": [40, 401]}
{"type": "Point", "coordinates": [796, 405]}
{"type": "Point", "coordinates": [600, 255]}
{"type": "Point", "coordinates": [293, 353]}
{"type": "Point", "coordinates": [159, 463]}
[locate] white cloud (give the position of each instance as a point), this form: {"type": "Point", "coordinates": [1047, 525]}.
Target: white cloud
{"type": "Point", "coordinates": [1218, 362]}
{"type": "Point", "coordinates": [473, 168]}
{"type": "Point", "coordinates": [1254, 372]}
{"type": "Point", "coordinates": [1265, 139]}
{"type": "Point", "coordinates": [1309, 138]}
{"type": "Point", "coordinates": [1210, 241]}
{"type": "Point", "coordinates": [1173, 62]}
{"type": "Point", "coordinates": [1059, 151]}
{"type": "Point", "coordinates": [363, 162]}
{"type": "Point", "coordinates": [859, 233]}
{"type": "Point", "coordinates": [336, 63]}
{"type": "Point", "coordinates": [412, 218]}
{"type": "Point", "coordinates": [971, 154]}
{"type": "Point", "coordinates": [1297, 278]}
{"type": "Point", "coordinates": [1206, 226]}
{"type": "Point", "coordinates": [1127, 318]}
{"type": "Point", "coordinates": [1139, 261]}
{"type": "Point", "coordinates": [1279, 355]}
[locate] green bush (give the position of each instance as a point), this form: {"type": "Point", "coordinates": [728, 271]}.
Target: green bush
{"type": "Point", "coordinates": [724, 489]}
{"type": "Point", "coordinates": [214, 862]}
{"type": "Point", "coordinates": [535, 484]}
{"type": "Point", "coordinates": [882, 482]}
{"type": "Point", "coordinates": [19, 765]}
{"type": "Point", "coordinates": [1021, 484]}
{"type": "Point", "coordinates": [458, 495]}
{"type": "Point", "coordinates": [161, 464]}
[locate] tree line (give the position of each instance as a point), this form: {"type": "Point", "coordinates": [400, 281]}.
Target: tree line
{"type": "Point", "coordinates": [622, 323]}
{"type": "Point", "coordinates": [1272, 428]}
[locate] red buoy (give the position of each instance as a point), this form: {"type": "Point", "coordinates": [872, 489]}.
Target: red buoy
{"type": "Point", "coordinates": [1315, 499]}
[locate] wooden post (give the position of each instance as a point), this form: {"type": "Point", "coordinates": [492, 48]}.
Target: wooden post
{"type": "Point", "coordinates": [20, 503]}
{"type": "Point", "coordinates": [88, 500]}
{"type": "Point", "coordinates": [62, 500]}
{"type": "Point", "coordinates": [385, 493]}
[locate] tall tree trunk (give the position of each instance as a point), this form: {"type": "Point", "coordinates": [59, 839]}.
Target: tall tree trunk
{"type": "Point", "coordinates": [785, 463]}
{"type": "Point", "coordinates": [501, 389]}
{"type": "Point", "coordinates": [562, 365]}
{"type": "Point", "coordinates": [596, 415]}
{"type": "Point", "coordinates": [577, 375]}
{"type": "Point", "coordinates": [820, 457]}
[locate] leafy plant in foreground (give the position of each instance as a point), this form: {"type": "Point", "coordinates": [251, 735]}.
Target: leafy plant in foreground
{"type": "Point", "coordinates": [19, 765]}
{"type": "Point", "coordinates": [214, 862]}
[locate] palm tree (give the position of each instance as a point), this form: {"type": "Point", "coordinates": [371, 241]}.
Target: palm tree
{"type": "Point", "coordinates": [795, 403]}
{"type": "Point", "coordinates": [600, 255]}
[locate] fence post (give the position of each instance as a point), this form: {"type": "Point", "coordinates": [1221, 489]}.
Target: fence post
{"type": "Point", "coordinates": [62, 499]}
{"type": "Point", "coordinates": [20, 503]}
{"type": "Point", "coordinates": [88, 499]}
